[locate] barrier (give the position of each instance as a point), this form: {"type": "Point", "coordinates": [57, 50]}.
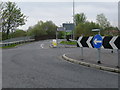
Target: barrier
{"type": "Point", "coordinates": [15, 41]}
{"type": "Point", "coordinates": [106, 42]}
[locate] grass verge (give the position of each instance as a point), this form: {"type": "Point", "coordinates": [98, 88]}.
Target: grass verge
{"type": "Point", "coordinates": [69, 42]}
{"type": "Point", "coordinates": [10, 46]}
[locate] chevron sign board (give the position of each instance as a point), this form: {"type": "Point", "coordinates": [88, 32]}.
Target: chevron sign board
{"type": "Point", "coordinates": [108, 42]}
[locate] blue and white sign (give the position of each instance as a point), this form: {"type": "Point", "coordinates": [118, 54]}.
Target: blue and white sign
{"type": "Point", "coordinates": [97, 41]}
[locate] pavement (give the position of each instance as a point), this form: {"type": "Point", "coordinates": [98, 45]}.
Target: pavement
{"type": "Point", "coordinates": [109, 61]}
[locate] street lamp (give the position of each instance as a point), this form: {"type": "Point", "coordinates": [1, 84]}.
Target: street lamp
{"type": "Point", "coordinates": [74, 19]}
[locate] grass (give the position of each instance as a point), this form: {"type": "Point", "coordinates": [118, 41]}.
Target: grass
{"type": "Point", "coordinates": [10, 46]}
{"type": "Point", "coordinates": [69, 42]}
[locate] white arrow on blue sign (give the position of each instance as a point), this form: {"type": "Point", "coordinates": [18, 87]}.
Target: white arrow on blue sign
{"type": "Point", "coordinates": [97, 41]}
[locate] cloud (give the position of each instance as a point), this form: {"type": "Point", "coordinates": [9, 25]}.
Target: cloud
{"type": "Point", "coordinates": [63, 0]}
{"type": "Point", "coordinates": [91, 10]}
{"type": "Point", "coordinates": [57, 12]}
{"type": "Point", "coordinates": [62, 11]}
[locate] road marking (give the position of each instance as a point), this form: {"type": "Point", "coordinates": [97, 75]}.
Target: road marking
{"type": "Point", "coordinates": [42, 45]}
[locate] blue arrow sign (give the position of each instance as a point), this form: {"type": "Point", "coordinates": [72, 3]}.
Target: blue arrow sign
{"type": "Point", "coordinates": [97, 41]}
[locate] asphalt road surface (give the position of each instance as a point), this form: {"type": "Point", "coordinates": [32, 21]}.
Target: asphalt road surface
{"type": "Point", "coordinates": [35, 65]}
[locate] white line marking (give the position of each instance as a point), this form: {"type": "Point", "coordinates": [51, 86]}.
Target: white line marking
{"type": "Point", "coordinates": [42, 45]}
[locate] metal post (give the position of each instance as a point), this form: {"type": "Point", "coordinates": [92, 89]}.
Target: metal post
{"type": "Point", "coordinates": [74, 19]}
{"type": "Point", "coordinates": [118, 66]}
{"type": "Point", "coordinates": [118, 58]}
{"type": "Point", "coordinates": [65, 35]}
{"type": "Point", "coordinates": [56, 38]}
{"type": "Point", "coordinates": [82, 53]}
{"type": "Point", "coordinates": [99, 56]}
{"type": "Point", "coordinates": [99, 32]}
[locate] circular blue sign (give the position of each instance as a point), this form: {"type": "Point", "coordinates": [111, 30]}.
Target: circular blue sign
{"type": "Point", "coordinates": [97, 41]}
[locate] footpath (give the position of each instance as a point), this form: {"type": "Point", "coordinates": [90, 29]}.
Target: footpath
{"type": "Point", "coordinates": [109, 60]}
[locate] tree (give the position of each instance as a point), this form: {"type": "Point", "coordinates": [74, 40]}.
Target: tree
{"type": "Point", "coordinates": [12, 17]}
{"type": "Point", "coordinates": [50, 28]}
{"type": "Point", "coordinates": [18, 33]}
{"type": "Point", "coordinates": [85, 29]}
{"type": "Point", "coordinates": [61, 34]}
{"type": "Point", "coordinates": [102, 21]}
{"type": "Point", "coordinates": [38, 30]}
{"type": "Point", "coordinates": [42, 29]}
{"type": "Point", "coordinates": [1, 10]}
{"type": "Point", "coordinates": [79, 18]}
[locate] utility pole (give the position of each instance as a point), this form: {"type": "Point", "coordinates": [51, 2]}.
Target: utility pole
{"type": "Point", "coordinates": [74, 19]}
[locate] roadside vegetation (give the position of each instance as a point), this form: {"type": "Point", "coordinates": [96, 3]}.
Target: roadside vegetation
{"type": "Point", "coordinates": [11, 17]}
{"type": "Point", "coordinates": [10, 46]}
{"type": "Point", "coordinates": [42, 30]}
{"type": "Point", "coordinates": [84, 27]}
{"type": "Point", "coordinates": [69, 42]}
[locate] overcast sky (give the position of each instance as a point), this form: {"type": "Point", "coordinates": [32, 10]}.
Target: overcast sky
{"type": "Point", "coordinates": [62, 12]}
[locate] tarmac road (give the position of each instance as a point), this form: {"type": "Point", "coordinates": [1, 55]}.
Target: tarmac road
{"type": "Point", "coordinates": [35, 65]}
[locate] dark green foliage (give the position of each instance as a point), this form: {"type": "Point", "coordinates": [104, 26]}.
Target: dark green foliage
{"type": "Point", "coordinates": [50, 28]}
{"type": "Point", "coordinates": [79, 18]}
{"type": "Point", "coordinates": [86, 29]}
{"type": "Point", "coordinates": [18, 33]}
{"type": "Point", "coordinates": [10, 46]}
{"type": "Point", "coordinates": [4, 36]}
{"type": "Point", "coordinates": [37, 30]}
{"type": "Point", "coordinates": [11, 17]}
{"type": "Point", "coordinates": [61, 34]}
{"type": "Point", "coordinates": [69, 42]}
{"type": "Point", "coordinates": [42, 29]}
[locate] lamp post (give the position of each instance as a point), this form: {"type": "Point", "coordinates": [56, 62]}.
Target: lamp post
{"type": "Point", "coordinates": [74, 19]}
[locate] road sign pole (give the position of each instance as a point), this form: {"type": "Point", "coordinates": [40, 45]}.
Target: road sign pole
{"type": "Point", "coordinates": [99, 56]}
{"type": "Point", "coordinates": [56, 38]}
{"type": "Point", "coordinates": [82, 53]}
{"type": "Point", "coordinates": [118, 57]}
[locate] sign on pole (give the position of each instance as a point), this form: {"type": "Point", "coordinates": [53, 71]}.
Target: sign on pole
{"type": "Point", "coordinates": [69, 26]}
{"type": "Point", "coordinates": [61, 29]}
{"type": "Point", "coordinates": [97, 41]}
{"type": "Point", "coordinates": [107, 42]}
